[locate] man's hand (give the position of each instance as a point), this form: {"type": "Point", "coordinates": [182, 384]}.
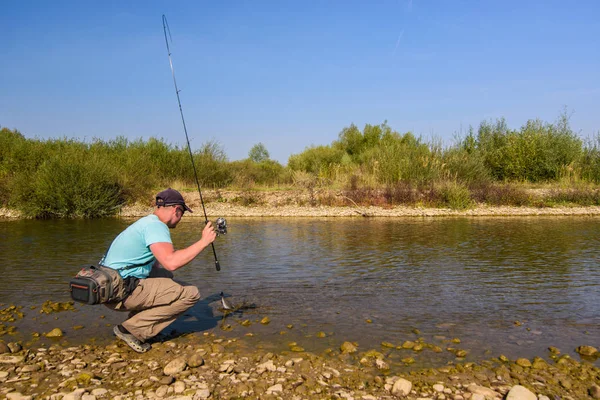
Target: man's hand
{"type": "Point", "coordinates": [208, 234]}
{"type": "Point", "coordinates": [172, 259]}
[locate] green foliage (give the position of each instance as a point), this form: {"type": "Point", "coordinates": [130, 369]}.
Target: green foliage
{"type": "Point", "coordinates": [590, 160]}
{"type": "Point", "coordinates": [258, 153]}
{"type": "Point", "coordinates": [537, 152]}
{"type": "Point", "coordinates": [456, 196]}
{"type": "Point", "coordinates": [267, 172]}
{"type": "Point", "coordinates": [404, 158]}
{"type": "Point", "coordinates": [318, 160]}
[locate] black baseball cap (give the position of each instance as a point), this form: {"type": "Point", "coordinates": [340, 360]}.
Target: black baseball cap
{"type": "Point", "coordinates": [171, 197]}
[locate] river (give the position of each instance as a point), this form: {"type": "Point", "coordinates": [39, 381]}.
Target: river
{"type": "Point", "coordinates": [503, 285]}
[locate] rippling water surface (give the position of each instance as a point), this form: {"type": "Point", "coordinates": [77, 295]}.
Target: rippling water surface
{"type": "Point", "coordinates": [449, 278]}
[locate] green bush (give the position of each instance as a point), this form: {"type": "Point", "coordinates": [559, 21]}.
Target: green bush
{"type": "Point", "coordinates": [456, 196]}
{"type": "Point", "coordinates": [318, 160]}
{"type": "Point", "coordinates": [538, 152]}
{"type": "Point", "coordinates": [266, 172]}
{"type": "Point", "coordinates": [68, 187]}
{"type": "Point", "coordinates": [590, 160]}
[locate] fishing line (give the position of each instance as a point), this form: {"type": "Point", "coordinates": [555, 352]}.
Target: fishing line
{"type": "Point", "coordinates": [165, 30]}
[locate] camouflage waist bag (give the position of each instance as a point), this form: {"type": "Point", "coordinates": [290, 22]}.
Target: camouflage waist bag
{"type": "Point", "coordinates": [98, 285]}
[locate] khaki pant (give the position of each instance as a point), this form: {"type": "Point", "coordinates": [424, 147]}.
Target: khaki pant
{"type": "Point", "coordinates": [155, 303]}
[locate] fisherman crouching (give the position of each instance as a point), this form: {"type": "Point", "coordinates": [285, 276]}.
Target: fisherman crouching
{"type": "Point", "coordinates": [145, 257]}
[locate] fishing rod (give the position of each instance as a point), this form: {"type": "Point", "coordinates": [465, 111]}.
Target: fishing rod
{"type": "Point", "coordinates": [221, 224]}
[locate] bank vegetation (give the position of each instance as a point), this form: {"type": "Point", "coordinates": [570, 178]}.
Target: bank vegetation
{"type": "Point", "coordinates": [491, 165]}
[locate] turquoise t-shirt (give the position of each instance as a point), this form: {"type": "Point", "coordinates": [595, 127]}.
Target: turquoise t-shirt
{"type": "Point", "coordinates": [132, 246]}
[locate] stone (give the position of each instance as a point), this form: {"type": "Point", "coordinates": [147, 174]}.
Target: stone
{"type": "Point", "coordinates": [17, 396]}
{"type": "Point", "coordinates": [6, 359]}
{"type": "Point", "coordinates": [380, 364]}
{"type": "Point", "coordinates": [275, 388]}
{"type": "Point", "coordinates": [438, 387]}
{"type": "Point", "coordinates": [487, 393]}
{"type": "Point", "coordinates": [195, 360]}
{"type": "Point", "coordinates": [179, 387]}
{"type": "Point", "coordinates": [523, 362]}
{"type": "Point", "coordinates": [202, 394]}
{"type": "Point", "coordinates": [56, 332]}
{"type": "Point", "coordinates": [99, 392]}
{"type": "Point", "coordinates": [594, 391]}
{"type": "Point", "coordinates": [15, 347]}
{"type": "Point", "coordinates": [175, 366]}
{"type": "Point", "coordinates": [401, 387]}
{"type": "Point", "coordinates": [31, 368]}
{"type": "Point", "coordinates": [4, 348]}
{"type": "Point", "coordinates": [519, 392]}
{"type": "Point", "coordinates": [348, 348]}
{"type": "Point", "coordinates": [587, 350]}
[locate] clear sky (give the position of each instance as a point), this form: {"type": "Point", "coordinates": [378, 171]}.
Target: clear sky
{"type": "Point", "coordinates": [291, 74]}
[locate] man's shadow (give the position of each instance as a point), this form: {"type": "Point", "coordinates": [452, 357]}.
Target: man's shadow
{"type": "Point", "coordinates": [201, 317]}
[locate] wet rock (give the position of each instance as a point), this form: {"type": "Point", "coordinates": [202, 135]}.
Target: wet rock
{"type": "Point", "coordinates": [594, 391]}
{"type": "Point", "coordinates": [401, 387]}
{"type": "Point", "coordinates": [382, 365]}
{"type": "Point", "coordinates": [15, 347]}
{"type": "Point", "coordinates": [587, 350]}
{"type": "Point", "coordinates": [408, 344]}
{"type": "Point", "coordinates": [195, 360]}
{"type": "Point", "coordinates": [265, 321]}
{"type": "Point", "coordinates": [347, 348]}
{"type": "Point", "coordinates": [519, 392]}
{"type": "Point", "coordinates": [554, 350]}
{"type": "Point", "coordinates": [56, 332]}
{"type": "Point", "coordinates": [175, 366]}
{"type": "Point", "coordinates": [4, 348]}
{"type": "Point", "coordinates": [523, 362]}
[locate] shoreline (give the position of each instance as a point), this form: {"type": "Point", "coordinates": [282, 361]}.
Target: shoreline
{"type": "Point", "coordinates": [329, 203]}
{"type": "Point", "coordinates": [209, 366]}
{"type": "Point", "coordinates": [266, 211]}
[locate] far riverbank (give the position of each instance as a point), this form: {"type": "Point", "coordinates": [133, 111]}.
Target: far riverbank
{"type": "Point", "coordinates": [279, 204]}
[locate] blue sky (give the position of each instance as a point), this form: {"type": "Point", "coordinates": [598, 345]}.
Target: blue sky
{"type": "Point", "coordinates": [291, 74]}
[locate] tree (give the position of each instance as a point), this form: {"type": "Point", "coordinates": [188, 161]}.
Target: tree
{"type": "Point", "coordinates": [258, 153]}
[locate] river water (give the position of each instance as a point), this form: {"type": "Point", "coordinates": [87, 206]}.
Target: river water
{"type": "Point", "coordinates": [511, 286]}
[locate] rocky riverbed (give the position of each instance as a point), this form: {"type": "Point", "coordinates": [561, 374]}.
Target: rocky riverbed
{"type": "Point", "coordinates": [206, 366]}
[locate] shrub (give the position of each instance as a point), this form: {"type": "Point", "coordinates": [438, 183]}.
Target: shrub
{"type": "Point", "coordinates": [73, 187]}
{"type": "Point", "coordinates": [538, 152]}
{"type": "Point", "coordinates": [500, 194]}
{"type": "Point", "coordinates": [456, 196]}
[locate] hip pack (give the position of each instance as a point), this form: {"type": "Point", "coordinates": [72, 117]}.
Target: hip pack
{"type": "Point", "coordinates": [98, 285]}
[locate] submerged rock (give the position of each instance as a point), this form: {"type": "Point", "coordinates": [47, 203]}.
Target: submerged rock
{"type": "Point", "coordinates": [587, 350]}
{"type": "Point", "coordinates": [56, 332]}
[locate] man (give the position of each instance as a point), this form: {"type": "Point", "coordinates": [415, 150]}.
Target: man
{"type": "Point", "coordinates": [144, 256]}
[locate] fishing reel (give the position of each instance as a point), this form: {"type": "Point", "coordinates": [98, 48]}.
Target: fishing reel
{"type": "Point", "coordinates": [221, 226]}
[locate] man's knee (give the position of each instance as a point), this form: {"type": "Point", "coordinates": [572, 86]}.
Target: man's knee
{"type": "Point", "coordinates": [191, 294]}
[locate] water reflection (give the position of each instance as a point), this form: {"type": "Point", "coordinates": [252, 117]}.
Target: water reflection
{"type": "Point", "coordinates": [471, 278]}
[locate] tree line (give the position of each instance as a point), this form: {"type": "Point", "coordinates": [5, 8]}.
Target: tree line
{"type": "Point", "coordinates": [68, 178]}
